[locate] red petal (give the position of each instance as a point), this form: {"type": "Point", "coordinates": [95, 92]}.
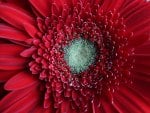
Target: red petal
{"type": "Point", "coordinates": [130, 6]}
{"type": "Point", "coordinates": [117, 5]}
{"type": "Point", "coordinates": [143, 86]}
{"type": "Point", "coordinates": [140, 36]}
{"type": "Point", "coordinates": [30, 29]}
{"type": "Point", "coordinates": [20, 101]}
{"type": "Point", "coordinates": [141, 67]}
{"type": "Point", "coordinates": [40, 109]}
{"type": "Point", "coordinates": [65, 107]}
{"type": "Point", "coordinates": [145, 59]}
{"type": "Point", "coordinates": [21, 3]}
{"type": "Point", "coordinates": [96, 105]}
{"type": "Point", "coordinates": [145, 77]}
{"type": "Point", "coordinates": [20, 81]}
{"type": "Point", "coordinates": [133, 18]}
{"type": "Point", "coordinates": [59, 4]}
{"type": "Point", "coordinates": [109, 5]}
{"type": "Point", "coordinates": [5, 75]}
{"type": "Point", "coordinates": [74, 95]}
{"type": "Point", "coordinates": [139, 25]}
{"type": "Point", "coordinates": [143, 49]}
{"type": "Point", "coordinates": [28, 52]}
{"type": "Point", "coordinates": [42, 6]}
{"type": "Point", "coordinates": [14, 15]}
{"type": "Point", "coordinates": [121, 108]}
{"type": "Point", "coordinates": [126, 101]}
{"type": "Point", "coordinates": [107, 106]}
{"type": "Point", "coordinates": [125, 3]}
{"type": "Point", "coordinates": [13, 97]}
{"type": "Point", "coordinates": [137, 101]}
{"type": "Point", "coordinates": [9, 50]}
{"type": "Point", "coordinates": [12, 63]}
{"type": "Point", "coordinates": [105, 5]}
{"type": "Point", "coordinates": [11, 33]}
{"type": "Point", "coordinates": [136, 28]}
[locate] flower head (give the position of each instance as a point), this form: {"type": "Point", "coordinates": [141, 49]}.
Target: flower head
{"type": "Point", "coordinates": [80, 56]}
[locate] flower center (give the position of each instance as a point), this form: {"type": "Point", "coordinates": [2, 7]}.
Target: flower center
{"type": "Point", "coordinates": [70, 44]}
{"type": "Point", "coordinates": [80, 54]}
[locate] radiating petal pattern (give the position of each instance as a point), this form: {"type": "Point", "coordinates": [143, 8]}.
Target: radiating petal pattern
{"type": "Point", "coordinates": [74, 56]}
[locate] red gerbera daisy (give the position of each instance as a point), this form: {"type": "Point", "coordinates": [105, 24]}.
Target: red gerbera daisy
{"type": "Point", "coordinates": [74, 56]}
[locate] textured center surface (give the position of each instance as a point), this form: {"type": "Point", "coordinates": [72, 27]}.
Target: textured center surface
{"type": "Point", "coordinates": [80, 54]}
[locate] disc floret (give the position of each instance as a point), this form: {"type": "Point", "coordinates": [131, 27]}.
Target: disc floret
{"type": "Point", "coordinates": [80, 54]}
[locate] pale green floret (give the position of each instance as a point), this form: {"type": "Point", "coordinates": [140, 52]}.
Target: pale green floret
{"type": "Point", "coordinates": [80, 54]}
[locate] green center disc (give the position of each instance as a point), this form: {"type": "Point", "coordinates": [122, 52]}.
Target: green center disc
{"type": "Point", "coordinates": [80, 54]}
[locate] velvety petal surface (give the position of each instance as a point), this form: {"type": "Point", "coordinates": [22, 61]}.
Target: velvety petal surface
{"type": "Point", "coordinates": [11, 33]}
{"type": "Point", "coordinates": [20, 81]}
{"type": "Point", "coordinates": [25, 100]}
{"type": "Point", "coordinates": [14, 15]}
{"type": "Point", "coordinates": [42, 7]}
{"type": "Point", "coordinates": [6, 75]}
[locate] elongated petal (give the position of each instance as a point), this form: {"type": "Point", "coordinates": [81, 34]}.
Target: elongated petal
{"type": "Point", "coordinates": [107, 106]}
{"type": "Point", "coordinates": [65, 107]}
{"type": "Point", "coordinates": [143, 49]}
{"type": "Point", "coordinates": [6, 75]}
{"type": "Point", "coordinates": [142, 86]}
{"type": "Point", "coordinates": [141, 25]}
{"type": "Point", "coordinates": [42, 6]}
{"type": "Point", "coordinates": [20, 96]}
{"type": "Point", "coordinates": [14, 15]}
{"type": "Point", "coordinates": [145, 61]}
{"type": "Point", "coordinates": [25, 104]}
{"type": "Point", "coordinates": [142, 68]}
{"type": "Point", "coordinates": [130, 6]}
{"type": "Point", "coordinates": [144, 24]}
{"type": "Point", "coordinates": [142, 60]}
{"type": "Point", "coordinates": [20, 81]}
{"type": "Point", "coordinates": [28, 52]}
{"type": "Point", "coordinates": [30, 29]}
{"type": "Point", "coordinates": [126, 101]}
{"type": "Point", "coordinates": [120, 107]}
{"type": "Point", "coordinates": [111, 5]}
{"type": "Point", "coordinates": [96, 105]}
{"type": "Point", "coordinates": [13, 97]}
{"type": "Point", "coordinates": [21, 3]}
{"type": "Point", "coordinates": [13, 63]}
{"type": "Point", "coordinates": [134, 97]}
{"type": "Point", "coordinates": [11, 33]}
{"type": "Point", "coordinates": [10, 50]}
{"type": "Point", "coordinates": [145, 77]}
